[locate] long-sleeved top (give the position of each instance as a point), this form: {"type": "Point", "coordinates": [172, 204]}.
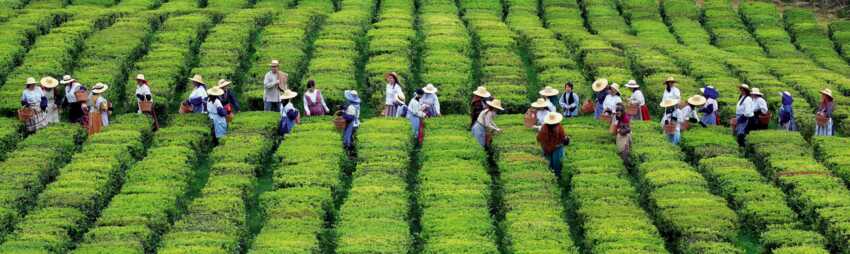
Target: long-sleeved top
{"type": "Point", "coordinates": [101, 106]}
{"type": "Point", "coordinates": [32, 97]}
{"type": "Point", "coordinates": [760, 105]}
{"type": "Point", "coordinates": [70, 90]}
{"type": "Point", "coordinates": [432, 102]}
{"type": "Point", "coordinates": [610, 103]}
{"type": "Point", "coordinates": [673, 93]}
{"type": "Point", "coordinates": [710, 106]}
{"type": "Point", "coordinates": [315, 97]}
{"type": "Point", "coordinates": [352, 114]}
{"type": "Point", "coordinates": [670, 114]}
{"type": "Point", "coordinates": [744, 107]}
{"type": "Point", "coordinates": [216, 109]}
{"type": "Point", "coordinates": [569, 102]}
{"type": "Point", "coordinates": [540, 116]}
{"type": "Point", "coordinates": [271, 91]}
{"type": "Point", "coordinates": [687, 113]}
{"type": "Point", "coordinates": [551, 138]}
{"type": "Point", "coordinates": [600, 96]}
{"type": "Point", "coordinates": [198, 98]}
{"type": "Point", "coordinates": [414, 109]}
{"type": "Point", "coordinates": [143, 92]}
{"type": "Point", "coordinates": [486, 120]}
{"type": "Point", "coordinates": [391, 92]}
{"type": "Point", "coordinates": [637, 98]}
{"type": "Point", "coordinates": [230, 99]}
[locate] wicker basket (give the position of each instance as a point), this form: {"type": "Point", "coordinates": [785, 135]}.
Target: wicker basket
{"type": "Point", "coordinates": [81, 96]}
{"type": "Point", "coordinates": [185, 108]}
{"type": "Point", "coordinates": [670, 128]}
{"type": "Point", "coordinates": [146, 106]}
{"type": "Point", "coordinates": [339, 122]}
{"type": "Point", "coordinates": [821, 120]}
{"type": "Point", "coordinates": [24, 114]}
{"type": "Point", "coordinates": [587, 107]}
{"type": "Point", "coordinates": [764, 119]}
{"type": "Point", "coordinates": [632, 109]}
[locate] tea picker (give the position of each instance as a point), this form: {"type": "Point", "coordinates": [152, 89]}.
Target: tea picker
{"type": "Point", "coordinates": [144, 99]}
{"type": "Point", "coordinates": [197, 100]}
{"type": "Point", "coordinates": [710, 109]}
{"type": "Point", "coordinates": [552, 140]}
{"type": "Point", "coordinates": [478, 103]}
{"type": "Point", "coordinates": [289, 116]}
{"type": "Point", "coordinates": [392, 90]}
{"type": "Point", "coordinates": [430, 101]}
{"type": "Point", "coordinates": [48, 86]}
{"type": "Point", "coordinates": [74, 99]}
{"type": "Point", "coordinates": [33, 105]}
{"type": "Point", "coordinates": [551, 96]}
{"type": "Point", "coordinates": [824, 114]}
{"type": "Point", "coordinates": [637, 108]}
{"type": "Point", "coordinates": [761, 114]}
{"type": "Point", "coordinates": [786, 113]}
{"type": "Point", "coordinates": [743, 114]}
{"type": "Point", "coordinates": [231, 104]}
{"type": "Point", "coordinates": [671, 120]}
{"type": "Point", "coordinates": [351, 114]}
{"type": "Point", "coordinates": [536, 114]}
{"type": "Point", "coordinates": [485, 127]}
{"type": "Point", "coordinates": [216, 113]}
{"type": "Point", "coordinates": [99, 109]}
{"type": "Point", "coordinates": [417, 116]}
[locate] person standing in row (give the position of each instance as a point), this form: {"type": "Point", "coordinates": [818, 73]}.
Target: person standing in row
{"type": "Point", "coordinates": [670, 90]}
{"type": "Point", "coordinates": [623, 132]}
{"type": "Point", "coordinates": [671, 120]}
{"type": "Point", "coordinates": [600, 88]}
{"type": "Point", "coordinates": [289, 116]}
{"type": "Point", "coordinates": [552, 140]}
{"type": "Point", "coordinates": [551, 96]}
{"type": "Point", "coordinates": [430, 101]}
{"type": "Point", "coordinates": [33, 99]}
{"type": "Point", "coordinates": [478, 103]}
{"type": "Point", "coordinates": [274, 82]}
{"type": "Point", "coordinates": [216, 113]}
{"type": "Point", "coordinates": [709, 110]}
{"type": "Point", "coordinates": [786, 112]}
{"type": "Point", "coordinates": [417, 116]}
{"type": "Point", "coordinates": [639, 101]}
{"type": "Point", "coordinates": [743, 114]}
{"type": "Point", "coordinates": [144, 96]}
{"type": "Point", "coordinates": [825, 112]}
{"type": "Point", "coordinates": [198, 99]}
{"type": "Point", "coordinates": [76, 109]}
{"type": "Point", "coordinates": [351, 114]}
{"type": "Point", "coordinates": [314, 102]}
{"type": "Point", "coordinates": [48, 86]}
{"type": "Point", "coordinates": [485, 126]}
{"type": "Point", "coordinates": [228, 99]}
{"type": "Point", "coordinates": [569, 101]}
{"type": "Point", "coordinates": [539, 109]}
{"type": "Point", "coordinates": [760, 110]}
{"type": "Point", "coordinates": [392, 90]}
{"type": "Point", "coordinates": [99, 109]}
{"type": "Point", "coordinates": [690, 111]}
{"type": "Point", "coordinates": [609, 105]}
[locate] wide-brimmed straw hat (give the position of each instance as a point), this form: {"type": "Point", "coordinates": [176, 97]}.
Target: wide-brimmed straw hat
{"type": "Point", "coordinates": [198, 79]}
{"type": "Point", "coordinates": [548, 91]}
{"type": "Point", "coordinates": [49, 82]}
{"type": "Point", "coordinates": [222, 83]}
{"type": "Point", "coordinates": [429, 88]}
{"type": "Point", "coordinates": [482, 92]}
{"type": "Point", "coordinates": [756, 91]}
{"type": "Point", "coordinates": [666, 103]}
{"type": "Point", "coordinates": [496, 104]}
{"type": "Point", "coordinates": [141, 77]}
{"type": "Point", "coordinates": [599, 85]}
{"type": "Point", "coordinates": [670, 79]}
{"type": "Point", "coordinates": [540, 103]}
{"type": "Point", "coordinates": [616, 87]}
{"type": "Point", "coordinates": [744, 86]}
{"type": "Point", "coordinates": [67, 79]}
{"type": "Point", "coordinates": [99, 88]}
{"type": "Point", "coordinates": [274, 63]}
{"type": "Point", "coordinates": [399, 97]}
{"type": "Point", "coordinates": [395, 76]}
{"type": "Point", "coordinates": [632, 84]}
{"type": "Point", "coordinates": [288, 94]}
{"type": "Point", "coordinates": [351, 96]}
{"type": "Point", "coordinates": [553, 118]}
{"type": "Point", "coordinates": [697, 100]}
{"type": "Point", "coordinates": [31, 81]}
{"type": "Point", "coordinates": [825, 91]}
{"type": "Point", "coordinates": [215, 91]}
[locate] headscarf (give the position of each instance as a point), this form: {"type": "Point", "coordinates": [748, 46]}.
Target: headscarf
{"type": "Point", "coordinates": [787, 100]}
{"type": "Point", "coordinates": [711, 93]}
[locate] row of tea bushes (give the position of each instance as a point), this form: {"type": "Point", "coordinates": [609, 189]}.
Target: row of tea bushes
{"type": "Point", "coordinates": [726, 29]}
{"type": "Point", "coordinates": [288, 40]}
{"type": "Point", "coordinates": [839, 33]}
{"type": "Point", "coordinates": [53, 54]}
{"type": "Point", "coordinates": [216, 221]}
{"type": "Point", "coordinates": [227, 46]}
{"type": "Point", "coordinates": [391, 47]}
{"type": "Point", "coordinates": [337, 50]}
{"type": "Point", "coordinates": [534, 211]}
{"type": "Point", "coordinates": [17, 34]}
{"type": "Point", "coordinates": [83, 187]}
{"type": "Point", "coordinates": [10, 134]}
{"type": "Point", "coordinates": [446, 54]}
{"type": "Point", "coordinates": [553, 61]}
{"type": "Point", "coordinates": [305, 185]}
{"type": "Point", "coordinates": [454, 190]}
{"type": "Point", "coordinates": [821, 198]}
{"type": "Point", "coordinates": [679, 197]}
{"type": "Point", "coordinates": [32, 165]}
{"type": "Point", "coordinates": [605, 201]}
{"type": "Point", "coordinates": [683, 17]}
{"type": "Point", "coordinates": [500, 64]}
{"type": "Point", "coordinates": [170, 54]}
{"type": "Point", "coordinates": [152, 192]}
{"type": "Point", "coordinates": [811, 38]}
{"type": "Point", "coordinates": [760, 205]}
{"type": "Point", "coordinates": [832, 152]}
{"type": "Point", "coordinates": [373, 218]}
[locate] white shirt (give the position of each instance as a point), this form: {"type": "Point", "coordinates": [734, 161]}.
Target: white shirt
{"type": "Point", "coordinates": [212, 108]}
{"type": "Point", "coordinates": [313, 95]}
{"type": "Point", "coordinates": [286, 108]}
{"type": "Point", "coordinates": [687, 113]}
{"type": "Point", "coordinates": [415, 108]}
{"type": "Point", "coordinates": [610, 102]}
{"type": "Point", "coordinates": [32, 97]}
{"type": "Point", "coordinates": [759, 104]}
{"type": "Point", "coordinates": [352, 110]}
{"type": "Point", "coordinates": [431, 100]}
{"type": "Point", "coordinates": [744, 107]}
{"type": "Point", "coordinates": [143, 90]}
{"type": "Point", "coordinates": [199, 92]}
{"type": "Point", "coordinates": [679, 119]}
{"type": "Point", "coordinates": [637, 98]}
{"type": "Point", "coordinates": [672, 94]}
{"type": "Point", "coordinates": [390, 93]}
{"type": "Point", "coordinates": [70, 90]}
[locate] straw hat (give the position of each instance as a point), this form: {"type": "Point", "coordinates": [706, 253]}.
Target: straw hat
{"type": "Point", "coordinates": [31, 81]}
{"type": "Point", "coordinates": [540, 103]}
{"type": "Point", "coordinates": [632, 84]}
{"type": "Point", "coordinates": [198, 79]}
{"type": "Point", "coordinates": [351, 96]}
{"type": "Point", "coordinates": [548, 91]}
{"type": "Point", "coordinates": [744, 86]}
{"type": "Point", "coordinates": [670, 79]}
{"type": "Point", "coordinates": [616, 87]}
{"type": "Point", "coordinates": [215, 91]}
{"type": "Point", "coordinates": [429, 88]}
{"type": "Point", "coordinates": [697, 100]}
{"type": "Point", "coordinates": [222, 83]}
{"type": "Point", "coordinates": [141, 77]}
{"type": "Point", "coordinates": [756, 91]}
{"type": "Point", "coordinates": [49, 82]}
{"type": "Point", "coordinates": [67, 79]}
{"type": "Point", "coordinates": [553, 118]}
{"type": "Point", "coordinates": [99, 88]}
{"type": "Point", "coordinates": [399, 97]}
{"type": "Point", "coordinates": [288, 94]}
{"type": "Point", "coordinates": [666, 103]}
{"type": "Point", "coordinates": [395, 76]}
{"type": "Point", "coordinates": [274, 63]}
{"type": "Point", "coordinates": [825, 91]}
{"type": "Point", "coordinates": [496, 104]}
{"type": "Point", "coordinates": [599, 85]}
{"type": "Point", "coordinates": [482, 91]}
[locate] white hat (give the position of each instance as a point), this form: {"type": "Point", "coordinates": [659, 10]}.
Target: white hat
{"type": "Point", "coordinates": [274, 63]}
{"type": "Point", "coordinates": [99, 88]}
{"type": "Point", "coordinates": [140, 77]}
{"type": "Point", "coordinates": [825, 91]}
{"type": "Point", "coordinates": [31, 81]}
{"type": "Point", "coordinates": [670, 79]}
{"type": "Point", "coordinates": [67, 79]}
{"type": "Point", "coordinates": [288, 94]}
{"type": "Point", "coordinates": [697, 100]}
{"type": "Point", "coordinates": [553, 118]}
{"type": "Point", "coordinates": [744, 86]}
{"type": "Point", "coordinates": [496, 104]}
{"type": "Point", "coordinates": [599, 85]}
{"type": "Point", "coordinates": [756, 91]}
{"type": "Point", "coordinates": [548, 91]}
{"type": "Point", "coordinates": [669, 103]}
{"type": "Point", "coordinates": [481, 91]}
{"type": "Point", "coordinates": [540, 103]}
{"type": "Point", "coordinates": [198, 79]}
{"type": "Point", "coordinates": [215, 91]}
{"type": "Point", "coordinates": [632, 84]}
{"type": "Point", "coordinates": [49, 82]}
{"type": "Point", "coordinates": [429, 88]}
{"type": "Point", "coordinates": [222, 83]}
{"type": "Point", "coordinates": [616, 87]}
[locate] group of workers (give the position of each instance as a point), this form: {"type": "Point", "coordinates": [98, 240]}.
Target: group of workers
{"type": "Point", "coordinates": [41, 103]}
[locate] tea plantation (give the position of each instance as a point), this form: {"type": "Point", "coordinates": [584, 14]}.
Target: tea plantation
{"type": "Point", "coordinates": [133, 189]}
